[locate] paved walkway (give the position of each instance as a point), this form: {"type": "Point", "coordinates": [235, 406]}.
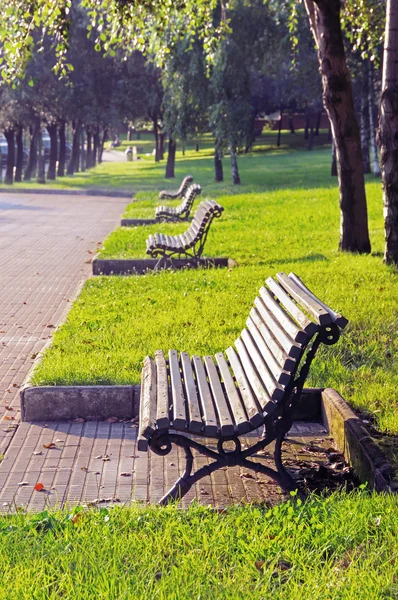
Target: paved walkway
{"type": "Point", "coordinates": [46, 245]}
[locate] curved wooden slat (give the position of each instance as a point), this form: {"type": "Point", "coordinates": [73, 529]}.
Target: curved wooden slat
{"type": "Point", "coordinates": [224, 416]}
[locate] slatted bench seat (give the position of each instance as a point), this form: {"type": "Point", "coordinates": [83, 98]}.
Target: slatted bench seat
{"type": "Point", "coordinates": [257, 383]}
{"type": "Point", "coordinates": [173, 195]}
{"type": "Point", "coordinates": [181, 212]}
{"type": "Point", "coordinates": [189, 244]}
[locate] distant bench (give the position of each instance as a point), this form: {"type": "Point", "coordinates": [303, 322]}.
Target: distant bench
{"type": "Point", "coordinates": [256, 383]}
{"type": "Point", "coordinates": [170, 213]}
{"type": "Point", "coordinates": [181, 212]}
{"type": "Point", "coordinates": [173, 195]}
{"type": "Point", "coordinates": [189, 244]}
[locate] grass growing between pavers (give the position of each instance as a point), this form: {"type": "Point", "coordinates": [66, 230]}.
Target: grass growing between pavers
{"type": "Point", "coordinates": [340, 547]}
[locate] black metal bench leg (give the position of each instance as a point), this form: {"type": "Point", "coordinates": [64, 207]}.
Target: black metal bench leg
{"type": "Point", "coordinates": [182, 485]}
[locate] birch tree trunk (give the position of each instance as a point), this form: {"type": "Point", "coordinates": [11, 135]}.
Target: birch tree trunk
{"type": "Point", "coordinates": [10, 137]}
{"type": "Point", "coordinates": [62, 150]}
{"type": "Point", "coordinates": [388, 133]}
{"type": "Point", "coordinates": [19, 157]}
{"type": "Point", "coordinates": [324, 20]}
{"type": "Point", "coordinates": [52, 166]}
{"type": "Point", "coordinates": [234, 166]}
{"type": "Point", "coordinates": [219, 174]}
{"type": "Point", "coordinates": [365, 125]}
{"type": "Point", "coordinates": [41, 175]}
{"type": "Point", "coordinates": [372, 128]}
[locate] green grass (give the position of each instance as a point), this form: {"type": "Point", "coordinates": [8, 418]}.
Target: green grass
{"type": "Point", "coordinates": [342, 547]}
{"type": "Point", "coordinates": [145, 174]}
{"type": "Point", "coordinates": [117, 321]}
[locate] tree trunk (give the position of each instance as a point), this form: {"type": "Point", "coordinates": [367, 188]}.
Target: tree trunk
{"type": "Point", "coordinates": [333, 170]}
{"type": "Point", "coordinates": [138, 135]}
{"type": "Point", "coordinates": [73, 164]}
{"type": "Point", "coordinates": [96, 141]}
{"type": "Point", "coordinates": [318, 122]}
{"type": "Point", "coordinates": [388, 134]}
{"type": "Point", "coordinates": [171, 156]}
{"type": "Point", "coordinates": [52, 165]}
{"type": "Point", "coordinates": [10, 137]}
{"type": "Point", "coordinates": [307, 124]}
{"type": "Point", "coordinates": [62, 150]}
{"type": "Point", "coordinates": [89, 153]}
{"type": "Point", "coordinates": [310, 132]}
{"type": "Point", "coordinates": [19, 159]}
{"type": "Point", "coordinates": [1, 166]}
{"type": "Point", "coordinates": [234, 166]}
{"type": "Point", "coordinates": [278, 139]}
{"type": "Point", "coordinates": [324, 18]}
{"type": "Point", "coordinates": [41, 175]}
{"type": "Point", "coordinates": [30, 170]}
{"type": "Point", "coordinates": [365, 129]}
{"type": "Point", "coordinates": [197, 147]}
{"type": "Point", "coordinates": [161, 145]}
{"type": "Point", "coordinates": [372, 128]}
{"type": "Point", "coordinates": [218, 166]}
{"type": "Point", "coordinates": [82, 153]}
{"type": "Point", "coordinates": [129, 134]}
{"type": "Point", "coordinates": [156, 135]}
{"type": "Point", "coordinates": [291, 124]}
{"type": "Point", "coordinates": [102, 144]}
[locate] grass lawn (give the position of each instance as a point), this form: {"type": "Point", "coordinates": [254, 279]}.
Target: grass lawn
{"type": "Point", "coordinates": [341, 547]}
{"type": "Point", "coordinates": [117, 320]}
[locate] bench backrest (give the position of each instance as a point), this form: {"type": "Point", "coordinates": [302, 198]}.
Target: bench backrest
{"type": "Point", "coordinates": [181, 190]}
{"type": "Point", "coordinates": [186, 205]}
{"type": "Point", "coordinates": [199, 227]}
{"type": "Point", "coordinates": [273, 354]}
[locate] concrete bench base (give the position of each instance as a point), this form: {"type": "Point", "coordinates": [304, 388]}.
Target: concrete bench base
{"type": "Point", "coordinates": [137, 222]}
{"type": "Point", "coordinates": [139, 266]}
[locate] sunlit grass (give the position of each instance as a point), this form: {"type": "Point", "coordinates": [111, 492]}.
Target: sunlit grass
{"type": "Point", "coordinates": [341, 547]}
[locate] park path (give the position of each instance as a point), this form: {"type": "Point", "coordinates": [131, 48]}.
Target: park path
{"type": "Point", "coordinates": [46, 246]}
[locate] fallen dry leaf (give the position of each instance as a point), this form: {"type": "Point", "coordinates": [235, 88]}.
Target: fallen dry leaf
{"type": "Point", "coordinates": [84, 468]}
{"type": "Point", "coordinates": [99, 456]}
{"type": "Point", "coordinates": [39, 487]}
{"type": "Point", "coordinates": [112, 420]}
{"type": "Point", "coordinates": [259, 565]}
{"type": "Point", "coordinates": [60, 441]}
{"type": "Point", "coordinates": [8, 408]}
{"type": "Point", "coordinates": [125, 474]}
{"type": "Point", "coordinates": [247, 475]}
{"type": "Point", "coordinates": [7, 418]}
{"type": "Point", "coordinates": [50, 445]}
{"type": "Point", "coordinates": [106, 458]}
{"type": "Point", "coordinates": [37, 453]}
{"type": "Point", "coordinates": [21, 483]}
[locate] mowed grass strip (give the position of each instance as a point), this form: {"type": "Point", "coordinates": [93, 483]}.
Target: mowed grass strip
{"type": "Point", "coordinates": [117, 321]}
{"type": "Point", "coordinates": [340, 547]}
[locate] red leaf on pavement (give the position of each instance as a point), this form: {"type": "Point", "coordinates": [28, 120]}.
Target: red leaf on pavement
{"type": "Point", "coordinates": [39, 487]}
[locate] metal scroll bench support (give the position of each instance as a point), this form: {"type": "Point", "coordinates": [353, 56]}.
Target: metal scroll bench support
{"type": "Point", "coordinates": [190, 244]}
{"type": "Point", "coordinates": [229, 395]}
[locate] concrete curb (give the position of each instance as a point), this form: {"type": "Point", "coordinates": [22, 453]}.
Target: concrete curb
{"type": "Point", "coordinates": [139, 266]}
{"type": "Point", "coordinates": [137, 222]}
{"type": "Point", "coordinates": [352, 437]}
{"type": "Point", "coordinates": [99, 402]}
{"type": "Point", "coordinates": [64, 403]}
{"type": "Point", "coordinates": [66, 192]}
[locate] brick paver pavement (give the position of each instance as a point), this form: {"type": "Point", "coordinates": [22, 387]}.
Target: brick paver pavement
{"type": "Point", "coordinates": [46, 243]}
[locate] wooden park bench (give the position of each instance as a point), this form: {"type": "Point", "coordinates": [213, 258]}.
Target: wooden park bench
{"type": "Point", "coordinates": [257, 383]}
{"type": "Point", "coordinates": [189, 244]}
{"type": "Point", "coordinates": [173, 195]}
{"type": "Point", "coordinates": [181, 212]}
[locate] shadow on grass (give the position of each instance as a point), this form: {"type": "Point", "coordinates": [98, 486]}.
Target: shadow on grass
{"type": "Point", "coordinates": [300, 259]}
